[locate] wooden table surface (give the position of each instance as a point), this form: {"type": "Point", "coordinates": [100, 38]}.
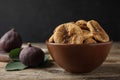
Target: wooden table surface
{"type": "Point", "coordinates": [109, 70]}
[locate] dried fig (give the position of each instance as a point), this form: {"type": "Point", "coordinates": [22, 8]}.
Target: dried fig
{"type": "Point", "coordinates": [98, 32]}
{"type": "Point", "coordinates": [10, 40]}
{"type": "Point", "coordinates": [31, 56]}
{"type": "Point", "coordinates": [68, 33]}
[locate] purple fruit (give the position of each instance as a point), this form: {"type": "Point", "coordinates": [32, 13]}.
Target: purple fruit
{"type": "Point", "coordinates": [31, 56]}
{"type": "Point", "coordinates": [10, 40]}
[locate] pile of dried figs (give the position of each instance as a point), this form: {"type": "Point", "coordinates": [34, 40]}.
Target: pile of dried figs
{"type": "Point", "coordinates": [79, 32]}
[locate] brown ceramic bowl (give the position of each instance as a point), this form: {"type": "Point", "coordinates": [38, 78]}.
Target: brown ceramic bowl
{"type": "Point", "coordinates": [77, 58]}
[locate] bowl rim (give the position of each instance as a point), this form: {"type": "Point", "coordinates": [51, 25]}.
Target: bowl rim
{"type": "Point", "coordinates": [102, 43]}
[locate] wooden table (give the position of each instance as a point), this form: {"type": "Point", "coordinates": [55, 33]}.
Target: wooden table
{"type": "Point", "coordinates": [109, 70]}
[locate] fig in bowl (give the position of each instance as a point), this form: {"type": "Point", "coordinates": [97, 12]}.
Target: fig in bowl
{"type": "Point", "coordinates": [80, 46]}
{"type": "Point", "coordinates": [78, 58]}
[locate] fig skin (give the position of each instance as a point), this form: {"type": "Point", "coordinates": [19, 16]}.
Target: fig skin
{"type": "Point", "coordinates": [10, 40]}
{"type": "Point", "coordinates": [31, 56]}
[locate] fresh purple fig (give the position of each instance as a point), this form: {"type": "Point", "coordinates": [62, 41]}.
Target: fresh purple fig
{"type": "Point", "coordinates": [31, 56]}
{"type": "Point", "coordinates": [10, 40]}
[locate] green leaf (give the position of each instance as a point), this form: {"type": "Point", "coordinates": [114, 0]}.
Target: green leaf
{"type": "Point", "coordinates": [46, 58]}
{"type": "Point", "coordinates": [47, 62]}
{"type": "Point", "coordinates": [14, 54]}
{"type": "Point", "coordinates": [15, 66]}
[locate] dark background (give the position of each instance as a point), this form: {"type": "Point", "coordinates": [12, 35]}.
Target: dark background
{"type": "Point", "coordinates": [35, 20]}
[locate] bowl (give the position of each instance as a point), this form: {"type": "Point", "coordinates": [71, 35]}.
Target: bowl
{"type": "Point", "coordinates": [76, 58]}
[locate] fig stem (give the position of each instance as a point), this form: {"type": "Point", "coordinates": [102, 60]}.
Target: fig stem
{"type": "Point", "coordinates": [29, 44]}
{"type": "Point", "coordinates": [13, 29]}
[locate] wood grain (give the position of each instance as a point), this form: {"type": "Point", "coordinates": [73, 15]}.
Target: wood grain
{"type": "Point", "coordinates": [109, 70]}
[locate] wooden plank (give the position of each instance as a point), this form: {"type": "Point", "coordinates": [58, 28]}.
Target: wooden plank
{"type": "Point", "coordinates": [109, 70]}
